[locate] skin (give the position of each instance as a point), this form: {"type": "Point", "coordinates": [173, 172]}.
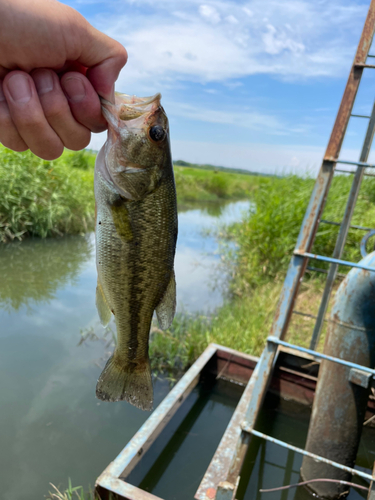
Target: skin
{"type": "Point", "coordinates": [53, 67]}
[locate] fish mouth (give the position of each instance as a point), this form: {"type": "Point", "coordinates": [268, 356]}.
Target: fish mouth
{"type": "Point", "coordinates": [128, 107]}
{"type": "Point", "coordinates": [133, 100]}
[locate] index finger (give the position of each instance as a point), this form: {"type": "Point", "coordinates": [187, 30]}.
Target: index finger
{"type": "Point", "coordinates": [83, 101]}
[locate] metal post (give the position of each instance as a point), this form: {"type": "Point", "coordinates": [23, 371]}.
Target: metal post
{"type": "Point", "coordinates": [341, 238]}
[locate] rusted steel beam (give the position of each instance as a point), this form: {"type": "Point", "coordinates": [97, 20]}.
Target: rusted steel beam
{"type": "Point", "coordinates": [323, 182]}
{"type": "Point", "coordinates": [343, 115]}
{"type": "Point", "coordinates": [339, 405]}
{"type": "Point", "coordinates": [115, 488]}
{"type": "Point", "coordinates": [344, 228]}
{"type": "Point", "coordinates": [225, 452]}
{"type": "Point", "coordinates": [313, 456]}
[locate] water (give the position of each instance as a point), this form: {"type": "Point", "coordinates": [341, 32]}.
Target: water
{"type": "Point", "coordinates": [174, 466]}
{"type": "Point", "coordinates": [52, 427]}
{"type": "Point", "coordinates": [268, 465]}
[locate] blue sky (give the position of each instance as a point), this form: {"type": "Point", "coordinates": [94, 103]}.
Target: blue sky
{"type": "Point", "coordinates": [250, 84]}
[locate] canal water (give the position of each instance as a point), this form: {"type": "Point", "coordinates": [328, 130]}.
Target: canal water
{"type": "Point", "coordinates": [52, 426]}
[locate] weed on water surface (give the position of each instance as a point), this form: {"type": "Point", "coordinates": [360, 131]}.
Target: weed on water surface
{"type": "Point", "coordinates": [71, 493]}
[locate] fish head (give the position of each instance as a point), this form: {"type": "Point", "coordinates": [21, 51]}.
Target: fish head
{"type": "Point", "coordinates": [137, 148]}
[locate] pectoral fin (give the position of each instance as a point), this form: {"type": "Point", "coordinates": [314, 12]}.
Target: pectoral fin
{"type": "Point", "coordinates": [166, 308]}
{"type": "Point", "coordinates": [102, 306]}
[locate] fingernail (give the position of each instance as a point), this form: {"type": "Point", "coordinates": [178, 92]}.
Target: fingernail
{"type": "Point", "coordinates": [2, 96]}
{"type": "Point", "coordinates": [43, 82]}
{"type": "Point", "coordinates": [19, 88]}
{"type": "Point", "coordinates": [74, 89]}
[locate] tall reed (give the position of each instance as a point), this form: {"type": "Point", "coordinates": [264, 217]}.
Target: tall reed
{"type": "Point", "coordinates": [40, 198]}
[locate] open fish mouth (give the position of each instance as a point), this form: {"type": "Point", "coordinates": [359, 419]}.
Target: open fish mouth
{"type": "Point", "coordinates": [128, 107]}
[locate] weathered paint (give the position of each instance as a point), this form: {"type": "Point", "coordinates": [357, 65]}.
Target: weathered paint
{"type": "Point", "coordinates": [339, 405]}
{"type": "Point", "coordinates": [259, 381]}
{"type": "Point", "coordinates": [317, 355]}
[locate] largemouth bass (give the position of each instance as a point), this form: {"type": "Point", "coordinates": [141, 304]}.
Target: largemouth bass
{"type": "Point", "coordinates": [136, 234]}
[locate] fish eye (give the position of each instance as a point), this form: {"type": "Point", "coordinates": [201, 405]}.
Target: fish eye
{"type": "Point", "coordinates": [157, 133]}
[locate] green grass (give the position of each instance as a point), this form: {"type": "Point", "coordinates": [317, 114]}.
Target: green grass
{"type": "Point", "coordinates": [267, 237]}
{"type": "Point", "coordinates": [74, 493]}
{"type": "Point", "coordinates": [40, 198]}
{"type": "Point", "coordinates": [197, 184]}
{"type": "Point", "coordinates": [264, 242]}
{"type": "Point", "coordinates": [241, 324]}
{"type": "Point", "coordinates": [43, 199]}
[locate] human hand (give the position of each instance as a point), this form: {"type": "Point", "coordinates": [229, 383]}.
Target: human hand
{"type": "Point", "coordinates": [53, 65]}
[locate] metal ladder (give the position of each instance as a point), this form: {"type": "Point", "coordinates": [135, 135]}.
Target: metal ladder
{"type": "Point", "coordinates": [259, 381]}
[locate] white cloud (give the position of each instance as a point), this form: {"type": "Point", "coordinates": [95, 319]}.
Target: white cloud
{"type": "Point", "coordinates": [248, 12]}
{"type": "Point", "coordinates": [210, 13]}
{"type": "Point", "coordinates": [221, 40]}
{"type": "Point", "coordinates": [275, 42]}
{"type": "Point", "coordinates": [242, 119]}
{"type": "Point", "coordinates": [97, 141]}
{"type": "Point", "coordinates": [231, 19]}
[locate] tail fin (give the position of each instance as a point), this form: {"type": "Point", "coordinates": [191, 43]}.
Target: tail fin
{"type": "Point", "coordinates": [129, 382]}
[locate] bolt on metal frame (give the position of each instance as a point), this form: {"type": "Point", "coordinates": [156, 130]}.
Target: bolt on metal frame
{"type": "Point", "coordinates": [258, 383]}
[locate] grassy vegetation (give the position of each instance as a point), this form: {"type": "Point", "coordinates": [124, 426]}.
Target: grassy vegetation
{"type": "Point", "coordinates": [198, 184]}
{"type": "Point", "coordinates": [73, 493]}
{"type": "Point", "coordinates": [40, 198]}
{"type": "Point", "coordinates": [257, 265]}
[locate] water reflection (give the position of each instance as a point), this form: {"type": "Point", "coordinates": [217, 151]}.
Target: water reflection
{"type": "Point", "coordinates": [213, 209]}
{"type": "Point", "coordinates": [33, 270]}
{"type": "Point", "coordinates": [197, 256]}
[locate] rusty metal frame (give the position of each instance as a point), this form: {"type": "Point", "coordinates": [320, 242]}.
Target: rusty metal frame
{"type": "Point", "coordinates": [229, 364]}
{"type": "Point", "coordinates": [110, 481]}
{"type": "Point", "coordinates": [125, 462]}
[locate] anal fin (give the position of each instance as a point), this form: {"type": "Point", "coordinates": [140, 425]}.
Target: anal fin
{"type": "Point", "coordinates": [166, 308]}
{"type": "Point", "coordinates": [102, 306]}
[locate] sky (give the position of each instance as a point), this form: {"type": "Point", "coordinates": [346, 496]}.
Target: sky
{"type": "Point", "coordinates": [253, 84]}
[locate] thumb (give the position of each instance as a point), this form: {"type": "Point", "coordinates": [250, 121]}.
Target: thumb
{"type": "Point", "coordinates": [104, 58]}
